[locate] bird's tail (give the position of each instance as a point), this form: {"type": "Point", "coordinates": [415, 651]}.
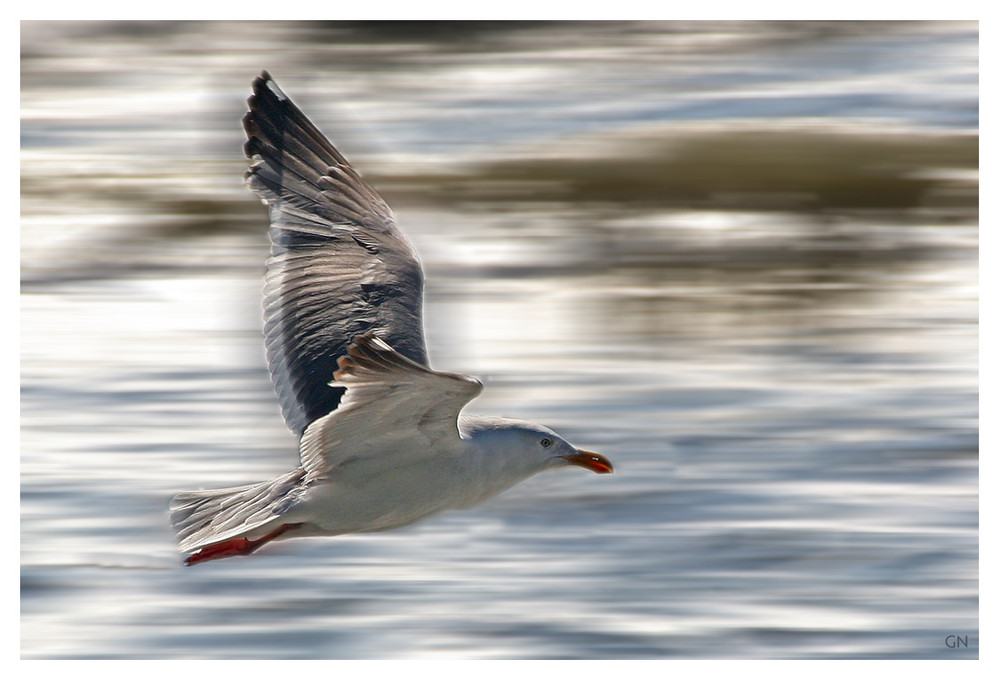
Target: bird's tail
{"type": "Point", "coordinates": [207, 517]}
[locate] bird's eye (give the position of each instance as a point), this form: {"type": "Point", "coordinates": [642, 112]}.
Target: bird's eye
{"type": "Point", "coordinates": [545, 442]}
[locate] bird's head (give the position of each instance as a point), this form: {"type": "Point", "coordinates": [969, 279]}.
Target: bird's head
{"type": "Point", "coordinates": [558, 452]}
{"type": "Point", "coordinates": [540, 445]}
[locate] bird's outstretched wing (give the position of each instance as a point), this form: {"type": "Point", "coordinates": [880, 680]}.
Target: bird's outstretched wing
{"type": "Point", "coordinates": [388, 397]}
{"type": "Point", "coordinates": [339, 267]}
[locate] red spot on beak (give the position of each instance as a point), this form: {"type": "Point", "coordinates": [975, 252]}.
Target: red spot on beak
{"type": "Point", "coordinates": [590, 461]}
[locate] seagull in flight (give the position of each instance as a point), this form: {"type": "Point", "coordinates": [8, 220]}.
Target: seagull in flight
{"type": "Point", "coordinates": [382, 440]}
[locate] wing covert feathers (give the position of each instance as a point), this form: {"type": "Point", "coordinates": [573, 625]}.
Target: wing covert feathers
{"type": "Point", "coordinates": [390, 399]}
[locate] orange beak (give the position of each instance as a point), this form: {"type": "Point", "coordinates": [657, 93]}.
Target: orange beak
{"type": "Point", "coordinates": [590, 461]}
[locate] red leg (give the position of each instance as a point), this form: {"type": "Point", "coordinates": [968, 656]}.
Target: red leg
{"type": "Point", "coordinates": [239, 546]}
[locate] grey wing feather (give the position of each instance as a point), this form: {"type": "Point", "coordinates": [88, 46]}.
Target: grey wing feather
{"type": "Point", "coordinates": [339, 267]}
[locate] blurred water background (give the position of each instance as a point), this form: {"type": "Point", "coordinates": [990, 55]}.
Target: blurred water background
{"type": "Point", "coordinates": [739, 259]}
